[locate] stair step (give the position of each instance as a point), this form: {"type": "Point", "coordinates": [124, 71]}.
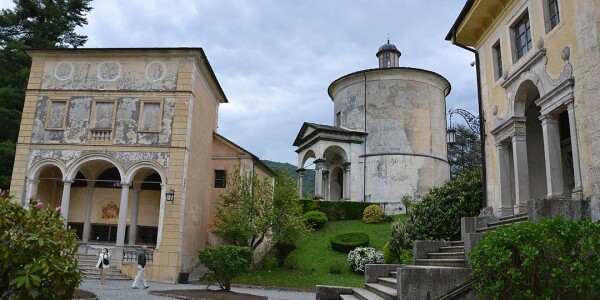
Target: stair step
{"type": "Point", "coordinates": [388, 281]}
{"type": "Point", "coordinates": [394, 274]}
{"type": "Point", "coordinates": [452, 249]}
{"type": "Point", "coordinates": [441, 262]}
{"type": "Point", "coordinates": [485, 229]}
{"type": "Point", "coordinates": [446, 255]}
{"type": "Point", "coordinates": [382, 291]}
{"type": "Point", "coordinates": [364, 294]}
{"type": "Point", "coordinates": [509, 221]}
{"type": "Point", "coordinates": [349, 297]}
{"type": "Point", "coordinates": [457, 243]}
{"type": "Point", "coordinates": [517, 216]}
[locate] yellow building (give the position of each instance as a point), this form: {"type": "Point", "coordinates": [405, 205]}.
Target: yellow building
{"type": "Point", "coordinates": [124, 141]}
{"type": "Point", "coordinates": [538, 68]}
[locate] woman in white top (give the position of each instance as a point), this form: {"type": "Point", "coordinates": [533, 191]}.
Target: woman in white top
{"type": "Point", "coordinates": [102, 255]}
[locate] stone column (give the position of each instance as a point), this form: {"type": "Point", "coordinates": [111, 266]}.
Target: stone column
{"type": "Point", "coordinates": [161, 214]}
{"type": "Point", "coordinates": [506, 206]}
{"type": "Point", "coordinates": [319, 178]}
{"type": "Point", "coordinates": [326, 187]}
{"type": "Point", "coordinates": [519, 143]}
{"type": "Point", "coordinates": [32, 184]}
{"type": "Point", "coordinates": [66, 199]}
{"type": "Point", "coordinates": [85, 235]}
{"type": "Point", "coordinates": [134, 216]}
{"type": "Point", "coordinates": [300, 182]}
{"type": "Point", "coordinates": [346, 190]}
{"type": "Point", "coordinates": [552, 155]}
{"type": "Point", "coordinates": [576, 193]}
{"type": "Point", "coordinates": [122, 214]}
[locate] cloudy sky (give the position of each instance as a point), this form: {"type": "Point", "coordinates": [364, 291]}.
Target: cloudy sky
{"type": "Point", "coordinates": [276, 58]}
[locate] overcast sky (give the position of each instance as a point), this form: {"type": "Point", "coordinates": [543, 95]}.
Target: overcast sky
{"type": "Point", "coordinates": [275, 58]}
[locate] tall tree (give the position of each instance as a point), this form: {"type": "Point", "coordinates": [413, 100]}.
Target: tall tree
{"type": "Point", "coordinates": [30, 24]}
{"type": "Point", "coordinates": [465, 154]}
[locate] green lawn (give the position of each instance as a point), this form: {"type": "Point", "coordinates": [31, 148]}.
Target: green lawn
{"type": "Point", "coordinates": [308, 265]}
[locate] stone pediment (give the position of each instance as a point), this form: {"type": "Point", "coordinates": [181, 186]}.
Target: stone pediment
{"type": "Point", "coordinates": [311, 131]}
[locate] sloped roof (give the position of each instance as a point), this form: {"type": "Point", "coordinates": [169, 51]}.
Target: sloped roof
{"type": "Point", "coordinates": [302, 137]}
{"type": "Point", "coordinates": [237, 147]}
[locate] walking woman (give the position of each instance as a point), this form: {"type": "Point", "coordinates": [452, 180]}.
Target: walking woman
{"type": "Point", "coordinates": [103, 264]}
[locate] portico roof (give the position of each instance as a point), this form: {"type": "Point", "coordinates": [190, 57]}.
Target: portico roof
{"type": "Point", "coordinates": [310, 133]}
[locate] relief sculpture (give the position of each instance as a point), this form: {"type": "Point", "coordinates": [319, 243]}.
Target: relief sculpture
{"type": "Point", "coordinates": [110, 211]}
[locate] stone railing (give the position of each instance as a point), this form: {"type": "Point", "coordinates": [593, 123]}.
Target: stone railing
{"type": "Point", "coordinates": [130, 255]}
{"type": "Point", "coordinates": [100, 134]}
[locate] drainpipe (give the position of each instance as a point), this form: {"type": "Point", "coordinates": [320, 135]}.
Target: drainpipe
{"type": "Point", "coordinates": [365, 157]}
{"type": "Point", "coordinates": [481, 116]}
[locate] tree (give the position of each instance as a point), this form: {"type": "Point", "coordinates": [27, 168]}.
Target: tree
{"type": "Point", "coordinates": [31, 24]}
{"type": "Point", "coordinates": [465, 154]}
{"type": "Point", "coordinates": [37, 253]}
{"type": "Point", "coordinates": [248, 212]}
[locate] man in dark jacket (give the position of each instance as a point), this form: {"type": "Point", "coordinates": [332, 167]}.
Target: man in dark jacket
{"type": "Point", "coordinates": [141, 261]}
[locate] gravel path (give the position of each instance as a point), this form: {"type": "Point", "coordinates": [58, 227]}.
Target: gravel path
{"type": "Point", "coordinates": [122, 290]}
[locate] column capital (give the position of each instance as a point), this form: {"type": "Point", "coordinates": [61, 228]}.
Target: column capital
{"type": "Point", "coordinates": [502, 145]}
{"type": "Point", "coordinates": [548, 118]}
{"type": "Point", "coordinates": [519, 138]}
{"type": "Point", "coordinates": [68, 182]}
{"type": "Point", "coordinates": [125, 184]}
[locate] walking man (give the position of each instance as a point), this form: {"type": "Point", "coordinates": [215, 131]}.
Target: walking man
{"type": "Point", "coordinates": [141, 260]}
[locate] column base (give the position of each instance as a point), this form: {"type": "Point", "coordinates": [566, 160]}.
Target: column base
{"type": "Point", "coordinates": [577, 194]}
{"type": "Point", "coordinates": [550, 208]}
{"type": "Point", "coordinates": [505, 211]}
{"type": "Point", "coordinates": [318, 197]}
{"type": "Point", "coordinates": [520, 208]}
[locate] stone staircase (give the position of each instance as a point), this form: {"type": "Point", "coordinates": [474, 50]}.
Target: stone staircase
{"type": "Point", "coordinates": [87, 264]}
{"type": "Point", "coordinates": [441, 269]}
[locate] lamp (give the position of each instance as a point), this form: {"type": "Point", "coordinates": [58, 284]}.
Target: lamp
{"type": "Point", "coordinates": [451, 136]}
{"type": "Point", "coordinates": [170, 195]}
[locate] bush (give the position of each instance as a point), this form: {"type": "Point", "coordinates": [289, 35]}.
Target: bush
{"type": "Point", "coordinates": [551, 259]}
{"type": "Point", "coordinates": [37, 253]}
{"type": "Point", "coordinates": [336, 267]}
{"type": "Point", "coordinates": [282, 251]}
{"type": "Point", "coordinates": [336, 210]}
{"type": "Point", "coordinates": [437, 216]}
{"type": "Point", "coordinates": [225, 262]}
{"type": "Point", "coordinates": [373, 214]}
{"type": "Point", "coordinates": [315, 219]}
{"type": "Point", "coordinates": [389, 257]}
{"type": "Point", "coordinates": [348, 241]}
{"type": "Point", "coordinates": [359, 257]}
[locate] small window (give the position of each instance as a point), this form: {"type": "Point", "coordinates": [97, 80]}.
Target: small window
{"type": "Point", "coordinates": [103, 114]}
{"type": "Point", "coordinates": [220, 179]}
{"type": "Point", "coordinates": [522, 36]}
{"type": "Point", "coordinates": [56, 116]}
{"type": "Point", "coordinates": [151, 116]}
{"type": "Point", "coordinates": [387, 62]}
{"type": "Point", "coordinates": [552, 15]}
{"type": "Point", "coordinates": [497, 54]}
{"type": "Point", "coordinates": [338, 118]}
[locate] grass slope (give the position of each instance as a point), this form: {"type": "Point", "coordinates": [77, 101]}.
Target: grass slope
{"type": "Point", "coordinates": [308, 265]}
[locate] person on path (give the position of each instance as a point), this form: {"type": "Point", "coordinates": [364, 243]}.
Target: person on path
{"type": "Point", "coordinates": [141, 260]}
{"type": "Point", "coordinates": [102, 264]}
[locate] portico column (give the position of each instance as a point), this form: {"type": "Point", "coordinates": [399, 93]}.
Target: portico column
{"type": "Point", "coordinates": [326, 186]}
{"type": "Point", "coordinates": [32, 185]}
{"type": "Point", "coordinates": [576, 193]}
{"type": "Point", "coordinates": [85, 236]}
{"type": "Point", "coordinates": [552, 156]}
{"type": "Point", "coordinates": [519, 143]}
{"type": "Point", "coordinates": [66, 198]}
{"type": "Point", "coordinates": [161, 214]}
{"type": "Point", "coordinates": [134, 216]}
{"type": "Point", "coordinates": [300, 182]}
{"type": "Point", "coordinates": [346, 190]}
{"type": "Point", "coordinates": [506, 207]}
{"type": "Point", "coordinates": [122, 214]}
{"type": "Point", "coordinates": [318, 179]}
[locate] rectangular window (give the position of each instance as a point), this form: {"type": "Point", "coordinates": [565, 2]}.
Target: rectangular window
{"type": "Point", "coordinates": [497, 53]}
{"type": "Point", "coordinates": [103, 114]}
{"type": "Point", "coordinates": [522, 36]}
{"type": "Point", "coordinates": [338, 118]}
{"type": "Point", "coordinates": [147, 235]}
{"type": "Point", "coordinates": [56, 116]}
{"type": "Point", "coordinates": [220, 179]}
{"type": "Point", "coordinates": [387, 62]}
{"type": "Point", "coordinates": [151, 116]}
{"type": "Point", "coordinates": [552, 14]}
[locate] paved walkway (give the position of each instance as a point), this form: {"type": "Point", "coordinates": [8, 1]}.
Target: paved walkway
{"type": "Point", "coordinates": [122, 290]}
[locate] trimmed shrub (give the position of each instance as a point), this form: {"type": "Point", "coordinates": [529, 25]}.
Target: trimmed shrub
{"type": "Point", "coordinates": [225, 262]}
{"type": "Point", "coordinates": [348, 241]}
{"type": "Point", "coordinates": [550, 259]}
{"type": "Point", "coordinates": [437, 216]}
{"type": "Point", "coordinates": [359, 257]}
{"type": "Point", "coordinates": [38, 254]}
{"type": "Point", "coordinates": [373, 214]}
{"type": "Point", "coordinates": [336, 210]}
{"type": "Point", "coordinates": [315, 219]}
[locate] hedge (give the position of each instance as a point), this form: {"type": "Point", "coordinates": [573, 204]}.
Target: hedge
{"type": "Point", "coordinates": [348, 241]}
{"type": "Point", "coordinates": [336, 210]}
